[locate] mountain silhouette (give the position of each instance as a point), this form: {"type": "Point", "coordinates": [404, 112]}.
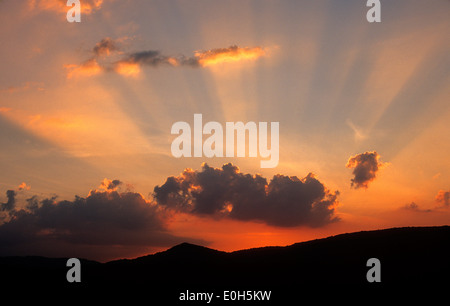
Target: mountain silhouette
{"type": "Point", "coordinates": [409, 256]}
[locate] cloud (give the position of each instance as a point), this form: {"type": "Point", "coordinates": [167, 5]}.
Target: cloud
{"type": "Point", "coordinates": [94, 65]}
{"type": "Point", "coordinates": [105, 47]}
{"type": "Point", "coordinates": [154, 58]}
{"type": "Point", "coordinates": [23, 186]}
{"type": "Point", "coordinates": [359, 134]}
{"type": "Point", "coordinates": [111, 185]}
{"type": "Point", "coordinates": [230, 54]}
{"type": "Point", "coordinates": [366, 167]}
{"type": "Point", "coordinates": [127, 69]}
{"type": "Point", "coordinates": [285, 201]}
{"type": "Point", "coordinates": [151, 58]}
{"type": "Point", "coordinates": [106, 217]}
{"type": "Point", "coordinates": [130, 64]}
{"type": "Point", "coordinates": [88, 68]}
{"type": "Point", "coordinates": [414, 207]}
{"type": "Point", "coordinates": [36, 86]}
{"type": "Point", "coordinates": [5, 109]}
{"type": "Point", "coordinates": [443, 198]}
{"type": "Point", "coordinates": [10, 203]}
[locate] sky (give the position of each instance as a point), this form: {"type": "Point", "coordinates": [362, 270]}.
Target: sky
{"type": "Point", "coordinates": [86, 110]}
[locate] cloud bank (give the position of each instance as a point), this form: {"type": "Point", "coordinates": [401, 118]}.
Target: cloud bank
{"type": "Point", "coordinates": [285, 201]}
{"type": "Point", "coordinates": [113, 217]}
{"type": "Point", "coordinates": [366, 165]}
{"type": "Point", "coordinates": [107, 217]}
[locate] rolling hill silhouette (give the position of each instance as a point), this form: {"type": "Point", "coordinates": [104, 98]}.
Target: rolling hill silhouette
{"type": "Point", "coordinates": [408, 256]}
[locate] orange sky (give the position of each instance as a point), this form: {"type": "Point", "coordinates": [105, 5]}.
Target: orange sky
{"type": "Point", "coordinates": [81, 102]}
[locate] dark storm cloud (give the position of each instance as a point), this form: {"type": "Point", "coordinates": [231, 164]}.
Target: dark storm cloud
{"type": "Point", "coordinates": [284, 201]}
{"type": "Point", "coordinates": [104, 217]}
{"type": "Point", "coordinates": [10, 203]}
{"type": "Point", "coordinates": [366, 166]}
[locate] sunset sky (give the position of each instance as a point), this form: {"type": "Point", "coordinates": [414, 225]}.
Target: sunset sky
{"type": "Point", "coordinates": [86, 111]}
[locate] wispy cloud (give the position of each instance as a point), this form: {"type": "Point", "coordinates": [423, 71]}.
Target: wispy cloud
{"type": "Point", "coordinates": [105, 47]}
{"type": "Point", "coordinates": [358, 132]}
{"type": "Point", "coordinates": [89, 68]}
{"type": "Point", "coordinates": [414, 207]}
{"type": "Point", "coordinates": [443, 198]}
{"type": "Point", "coordinates": [38, 86]}
{"type": "Point", "coordinates": [230, 54]}
{"type": "Point", "coordinates": [4, 109]}
{"type": "Point", "coordinates": [130, 64]}
{"type": "Point", "coordinates": [92, 66]}
{"type": "Point", "coordinates": [127, 69]}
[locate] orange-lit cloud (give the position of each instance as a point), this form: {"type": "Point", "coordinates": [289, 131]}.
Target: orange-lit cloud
{"type": "Point", "coordinates": [23, 186]}
{"type": "Point", "coordinates": [88, 68]}
{"type": "Point", "coordinates": [107, 185]}
{"type": "Point", "coordinates": [230, 54]}
{"type": "Point", "coordinates": [39, 86]}
{"type": "Point", "coordinates": [60, 6]}
{"type": "Point", "coordinates": [130, 65]}
{"type": "Point", "coordinates": [200, 59]}
{"type": "Point", "coordinates": [129, 69]}
{"type": "Point", "coordinates": [102, 50]}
